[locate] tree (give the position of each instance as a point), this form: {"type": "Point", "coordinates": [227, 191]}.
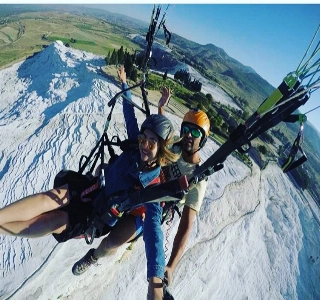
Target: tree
{"type": "Point", "coordinates": [262, 149]}
{"type": "Point", "coordinates": [217, 121]}
{"type": "Point", "coordinates": [185, 77]}
{"type": "Point", "coordinates": [113, 58]}
{"type": "Point", "coordinates": [209, 97]}
{"type": "Point", "coordinates": [134, 74]}
{"type": "Point", "coordinates": [224, 126]}
{"type": "Point", "coordinates": [267, 138]}
{"type": "Point", "coordinates": [201, 98]}
{"type": "Point", "coordinates": [108, 58]}
{"type": "Point", "coordinates": [195, 85]}
{"type": "Point", "coordinates": [128, 65]}
{"type": "Point", "coordinates": [121, 56]}
{"type": "Point", "coordinates": [165, 75]}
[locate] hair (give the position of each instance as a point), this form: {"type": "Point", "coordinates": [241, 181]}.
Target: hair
{"type": "Point", "coordinates": [165, 155]}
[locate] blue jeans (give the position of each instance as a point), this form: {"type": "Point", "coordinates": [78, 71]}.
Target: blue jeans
{"type": "Point", "coordinates": [139, 225]}
{"type": "Point", "coordinates": [153, 239]}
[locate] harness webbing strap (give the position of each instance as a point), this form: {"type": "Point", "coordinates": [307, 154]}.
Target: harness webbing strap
{"type": "Point", "coordinates": [291, 163]}
{"type": "Point", "coordinates": [88, 191]}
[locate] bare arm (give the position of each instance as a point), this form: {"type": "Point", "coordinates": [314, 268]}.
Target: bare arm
{"type": "Point", "coordinates": [180, 240]}
{"type": "Point", "coordinates": [122, 74]}
{"type": "Point", "coordinates": [128, 111]}
{"type": "Point", "coordinates": [163, 101]}
{"type": "Point", "coordinates": [161, 110]}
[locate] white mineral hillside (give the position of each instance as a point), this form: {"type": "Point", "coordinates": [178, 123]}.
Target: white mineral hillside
{"type": "Point", "coordinates": [256, 237]}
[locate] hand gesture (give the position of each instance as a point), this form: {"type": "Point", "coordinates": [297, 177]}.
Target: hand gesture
{"type": "Point", "coordinates": [122, 74]}
{"type": "Point", "coordinates": [165, 96]}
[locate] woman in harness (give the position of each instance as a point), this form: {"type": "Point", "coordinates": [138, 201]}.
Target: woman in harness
{"type": "Point", "coordinates": [60, 210]}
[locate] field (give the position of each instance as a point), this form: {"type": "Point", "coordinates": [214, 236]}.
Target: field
{"type": "Point", "coordinates": [24, 34]}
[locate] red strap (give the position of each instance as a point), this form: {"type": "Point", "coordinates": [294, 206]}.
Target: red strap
{"type": "Point", "coordinates": [154, 181]}
{"type": "Point", "coordinates": [162, 177]}
{"type": "Point", "coordinates": [88, 191]}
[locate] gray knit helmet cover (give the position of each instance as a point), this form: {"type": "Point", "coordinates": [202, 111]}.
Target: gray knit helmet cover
{"type": "Point", "coordinates": [159, 125]}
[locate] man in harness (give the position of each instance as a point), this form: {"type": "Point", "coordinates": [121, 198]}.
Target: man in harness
{"type": "Point", "coordinates": [194, 132]}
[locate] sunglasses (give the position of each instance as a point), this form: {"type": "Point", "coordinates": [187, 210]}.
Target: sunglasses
{"type": "Point", "coordinates": [195, 132]}
{"type": "Point", "coordinates": [151, 143]}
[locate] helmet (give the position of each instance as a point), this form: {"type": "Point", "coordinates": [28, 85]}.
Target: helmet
{"type": "Point", "coordinates": [158, 124]}
{"type": "Point", "coordinates": [199, 118]}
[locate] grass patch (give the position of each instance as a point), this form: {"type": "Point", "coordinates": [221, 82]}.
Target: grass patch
{"type": "Point", "coordinates": [67, 40]}
{"type": "Point", "coordinates": [91, 35]}
{"type": "Point", "coordinates": [84, 27]}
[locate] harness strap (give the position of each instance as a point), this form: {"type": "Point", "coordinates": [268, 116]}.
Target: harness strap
{"type": "Point", "coordinates": [88, 191]}
{"type": "Point", "coordinates": [291, 163]}
{"type": "Point", "coordinates": [140, 210]}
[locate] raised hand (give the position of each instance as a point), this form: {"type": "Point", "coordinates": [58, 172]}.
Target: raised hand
{"type": "Point", "coordinates": [122, 74]}
{"type": "Point", "coordinates": [165, 96]}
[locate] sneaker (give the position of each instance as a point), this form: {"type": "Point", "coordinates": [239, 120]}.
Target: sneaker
{"type": "Point", "coordinates": [84, 263]}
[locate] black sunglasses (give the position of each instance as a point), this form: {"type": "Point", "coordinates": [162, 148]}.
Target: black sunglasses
{"type": "Point", "coordinates": [195, 132]}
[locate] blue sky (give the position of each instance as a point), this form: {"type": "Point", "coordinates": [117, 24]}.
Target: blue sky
{"type": "Point", "coordinates": [270, 38]}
